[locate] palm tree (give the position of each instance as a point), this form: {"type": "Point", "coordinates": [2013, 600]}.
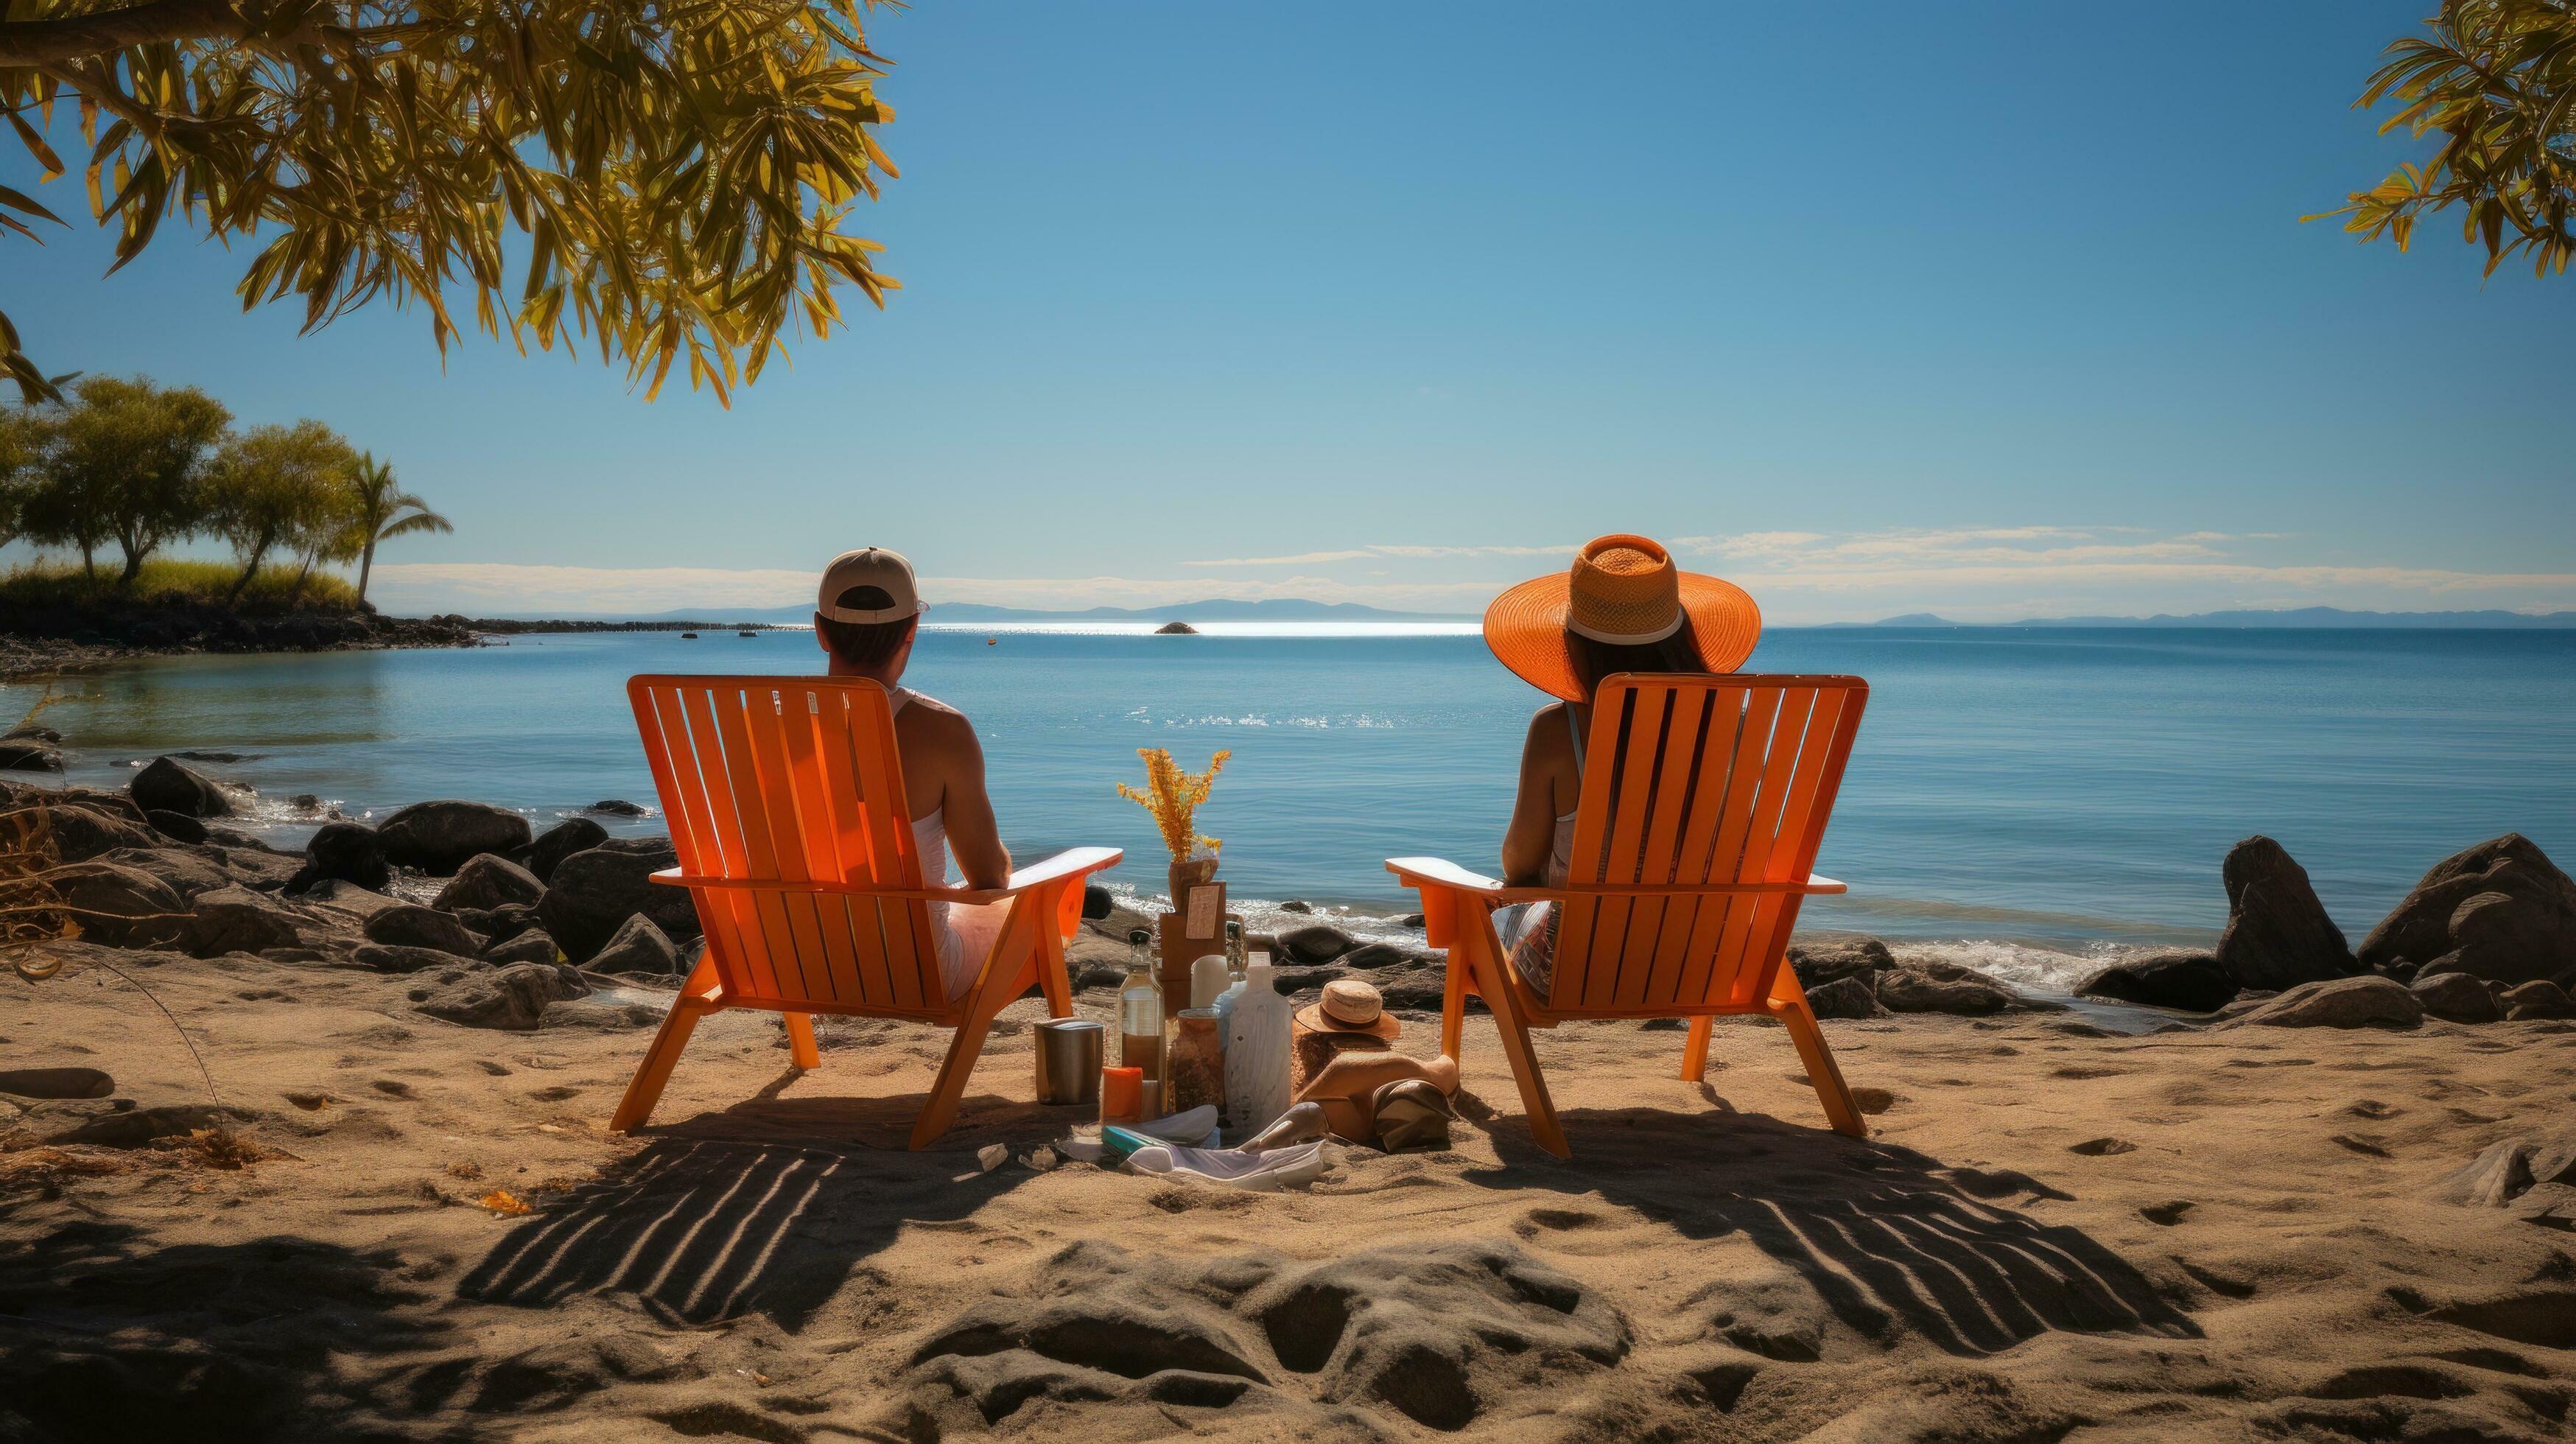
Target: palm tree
{"type": "Point", "coordinates": [383, 513]}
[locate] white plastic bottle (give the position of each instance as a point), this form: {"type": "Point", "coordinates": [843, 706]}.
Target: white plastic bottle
{"type": "Point", "coordinates": [1256, 1052]}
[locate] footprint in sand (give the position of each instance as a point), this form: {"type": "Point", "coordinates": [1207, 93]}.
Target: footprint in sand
{"type": "Point", "coordinates": [2361, 1143]}
{"type": "Point", "coordinates": [2102, 1147]}
{"type": "Point", "coordinates": [311, 1102]}
{"type": "Point", "coordinates": [2080, 1074]}
{"type": "Point", "coordinates": [2373, 1108]}
{"type": "Point", "coordinates": [556, 1094]}
{"type": "Point", "coordinates": [392, 1087]}
{"type": "Point", "coordinates": [2169, 1213]}
{"type": "Point", "coordinates": [497, 1070]}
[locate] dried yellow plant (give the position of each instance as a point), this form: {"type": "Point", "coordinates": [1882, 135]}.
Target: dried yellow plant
{"type": "Point", "coordinates": [1173, 797]}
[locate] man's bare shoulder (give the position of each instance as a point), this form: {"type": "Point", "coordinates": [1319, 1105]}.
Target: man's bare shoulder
{"type": "Point", "coordinates": [931, 722]}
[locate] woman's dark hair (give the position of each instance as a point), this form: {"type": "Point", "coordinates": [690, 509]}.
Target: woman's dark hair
{"type": "Point", "coordinates": [864, 645]}
{"type": "Point", "coordinates": [1596, 660]}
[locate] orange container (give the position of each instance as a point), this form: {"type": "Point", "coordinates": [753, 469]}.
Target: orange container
{"type": "Point", "coordinates": [1122, 1095]}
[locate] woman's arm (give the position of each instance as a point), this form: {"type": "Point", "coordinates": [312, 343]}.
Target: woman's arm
{"type": "Point", "coordinates": [1531, 838]}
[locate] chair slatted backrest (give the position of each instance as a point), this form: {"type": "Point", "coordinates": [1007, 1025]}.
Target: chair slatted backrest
{"type": "Point", "coordinates": [794, 779]}
{"type": "Point", "coordinates": [1694, 781]}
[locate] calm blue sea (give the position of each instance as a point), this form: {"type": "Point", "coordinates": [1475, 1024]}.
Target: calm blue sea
{"type": "Point", "coordinates": [2027, 799]}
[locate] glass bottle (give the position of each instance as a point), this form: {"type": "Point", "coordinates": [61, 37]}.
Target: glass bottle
{"type": "Point", "coordinates": [1140, 1011]}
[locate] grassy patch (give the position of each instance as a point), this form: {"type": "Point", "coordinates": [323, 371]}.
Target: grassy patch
{"type": "Point", "coordinates": [174, 583]}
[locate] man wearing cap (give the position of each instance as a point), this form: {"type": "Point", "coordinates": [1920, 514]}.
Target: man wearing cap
{"type": "Point", "coordinates": [865, 617]}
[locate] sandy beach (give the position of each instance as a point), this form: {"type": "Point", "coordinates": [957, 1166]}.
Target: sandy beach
{"type": "Point", "coordinates": [2053, 1233]}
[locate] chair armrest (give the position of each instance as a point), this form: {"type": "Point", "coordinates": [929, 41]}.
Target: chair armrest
{"type": "Point", "coordinates": [1072, 862]}
{"type": "Point", "coordinates": [1440, 872]}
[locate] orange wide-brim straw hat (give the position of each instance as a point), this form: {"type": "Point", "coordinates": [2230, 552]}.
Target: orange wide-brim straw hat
{"type": "Point", "coordinates": [1623, 590]}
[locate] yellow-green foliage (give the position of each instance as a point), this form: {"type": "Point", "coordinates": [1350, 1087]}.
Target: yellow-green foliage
{"type": "Point", "coordinates": [168, 580]}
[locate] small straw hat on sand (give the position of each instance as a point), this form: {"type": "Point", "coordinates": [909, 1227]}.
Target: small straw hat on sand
{"type": "Point", "coordinates": [1622, 590]}
{"type": "Point", "coordinates": [1349, 1006]}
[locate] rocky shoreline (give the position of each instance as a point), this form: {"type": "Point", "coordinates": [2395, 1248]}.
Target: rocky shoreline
{"type": "Point", "coordinates": [72, 638]}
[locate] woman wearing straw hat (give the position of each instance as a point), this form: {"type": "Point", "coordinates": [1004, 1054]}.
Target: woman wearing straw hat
{"type": "Point", "coordinates": [1622, 607]}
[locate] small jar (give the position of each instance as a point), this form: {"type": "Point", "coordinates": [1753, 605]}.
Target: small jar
{"type": "Point", "coordinates": [1196, 1065]}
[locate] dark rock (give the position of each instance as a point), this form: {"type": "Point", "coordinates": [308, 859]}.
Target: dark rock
{"type": "Point", "coordinates": [439, 837]}
{"type": "Point", "coordinates": [1317, 943]}
{"type": "Point", "coordinates": [1411, 920]}
{"type": "Point", "coordinates": [2518, 911]}
{"type": "Point", "coordinates": [511, 919]}
{"type": "Point", "coordinates": [2399, 970]}
{"type": "Point", "coordinates": [1370, 957]}
{"type": "Point", "coordinates": [176, 826]}
{"type": "Point", "coordinates": [1097, 901]}
{"type": "Point", "coordinates": [487, 881]}
{"type": "Point", "coordinates": [187, 870]}
{"type": "Point", "coordinates": [166, 786]}
{"type": "Point", "coordinates": [573, 834]}
{"type": "Point", "coordinates": [81, 833]}
{"type": "Point", "coordinates": [56, 1082]}
{"type": "Point", "coordinates": [32, 731]}
{"type": "Point", "coordinates": [1918, 990]}
{"type": "Point", "coordinates": [122, 907]}
{"type": "Point", "coordinates": [484, 996]}
{"type": "Point", "coordinates": [29, 754]}
{"type": "Point", "coordinates": [1296, 905]}
{"type": "Point", "coordinates": [348, 851]}
{"type": "Point", "coordinates": [638, 947]}
{"type": "Point", "coordinates": [531, 946]}
{"type": "Point", "coordinates": [2190, 982]}
{"type": "Point", "coordinates": [410, 925]}
{"type": "Point", "coordinates": [616, 807]}
{"type": "Point", "coordinates": [216, 754]}
{"type": "Point", "coordinates": [1845, 997]}
{"type": "Point", "coordinates": [237, 920]}
{"type": "Point", "coordinates": [1820, 965]}
{"type": "Point", "coordinates": [116, 1122]}
{"type": "Point", "coordinates": [2499, 910]}
{"type": "Point", "coordinates": [2278, 934]}
{"type": "Point", "coordinates": [341, 896]}
{"type": "Point", "coordinates": [2456, 998]}
{"type": "Point", "coordinates": [593, 894]}
{"type": "Point", "coordinates": [1291, 982]}
{"type": "Point", "coordinates": [2368, 1001]}
{"type": "Point", "coordinates": [2535, 1001]}
{"type": "Point", "coordinates": [405, 958]}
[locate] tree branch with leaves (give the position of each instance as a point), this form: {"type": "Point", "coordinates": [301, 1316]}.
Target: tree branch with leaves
{"type": "Point", "coordinates": [2496, 81]}
{"type": "Point", "coordinates": [682, 170]}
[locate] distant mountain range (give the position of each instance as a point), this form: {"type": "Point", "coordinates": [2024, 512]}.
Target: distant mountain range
{"type": "Point", "coordinates": [1212, 610]}
{"type": "Point", "coordinates": [2297, 617]}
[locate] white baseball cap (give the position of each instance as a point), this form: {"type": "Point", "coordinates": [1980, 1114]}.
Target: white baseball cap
{"type": "Point", "coordinates": [887, 571]}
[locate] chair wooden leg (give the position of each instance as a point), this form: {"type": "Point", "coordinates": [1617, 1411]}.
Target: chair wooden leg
{"type": "Point", "coordinates": [1000, 987]}
{"type": "Point", "coordinates": [1841, 1109]}
{"type": "Point", "coordinates": [1453, 1003]}
{"type": "Point", "coordinates": [1695, 1050]}
{"type": "Point", "coordinates": [1516, 1047]}
{"type": "Point", "coordinates": [654, 1073]}
{"type": "Point", "coordinates": [1051, 973]}
{"type": "Point", "coordinates": [800, 1041]}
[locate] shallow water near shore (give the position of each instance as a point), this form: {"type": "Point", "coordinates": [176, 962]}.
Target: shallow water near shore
{"type": "Point", "coordinates": [2028, 801]}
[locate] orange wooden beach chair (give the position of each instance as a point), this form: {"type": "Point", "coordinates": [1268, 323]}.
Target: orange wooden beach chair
{"type": "Point", "coordinates": [785, 802]}
{"type": "Point", "coordinates": [1703, 801]}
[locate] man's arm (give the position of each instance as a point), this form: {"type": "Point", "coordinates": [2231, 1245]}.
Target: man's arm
{"type": "Point", "coordinates": [1531, 838]}
{"type": "Point", "coordinates": [974, 839]}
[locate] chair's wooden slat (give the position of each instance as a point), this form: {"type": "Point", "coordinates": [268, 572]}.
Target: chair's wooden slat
{"type": "Point", "coordinates": [906, 924]}
{"type": "Point", "coordinates": [1645, 705]}
{"type": "Point", "coordinates": [867, 939]}
{"type": "Point", "coordinates": [821, 825]}
{"type": "Point", "coordinates": [1659, 927]}
{"type": "Point", "coordinates": [765, 710]}
{"type": "Point", "coordinates": [1727, 968]}
{"type": "Point", "coordinates": [717, 764]}
{"type": "Point", "coordinates": [1733, 814]}
{"type": "Point", "coordinates": [1821, 755]}
{"type": "Point", "coordinates": [691, 813]}
{"type": "Point", "coordinates": [1574, 915]}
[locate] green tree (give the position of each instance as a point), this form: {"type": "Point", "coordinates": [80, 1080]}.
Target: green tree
{"type": "Point", "coordinates": [681, 173]}
{"type": "Point", "coordinates": [126, 464]}
{"type": "Point", "coordinates": [280, 486]}
{"type": "Point", "coordinates": [384, 512]}
{"type": "Point", "coordinates": [20, 444]}
{"type": "Point", "coordinates": [2496, 80]}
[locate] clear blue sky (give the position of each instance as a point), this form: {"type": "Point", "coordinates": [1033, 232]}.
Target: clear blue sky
{"type": "Point", "coordinates": [1991, 309]}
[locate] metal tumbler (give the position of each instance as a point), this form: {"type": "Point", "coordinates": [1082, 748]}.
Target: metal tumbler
{"type": "Point", "coordinates": [1069, 1058]}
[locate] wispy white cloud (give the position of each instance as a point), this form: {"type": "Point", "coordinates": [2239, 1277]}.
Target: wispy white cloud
{"type": "Point", "coordinates": [1972, 573]}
